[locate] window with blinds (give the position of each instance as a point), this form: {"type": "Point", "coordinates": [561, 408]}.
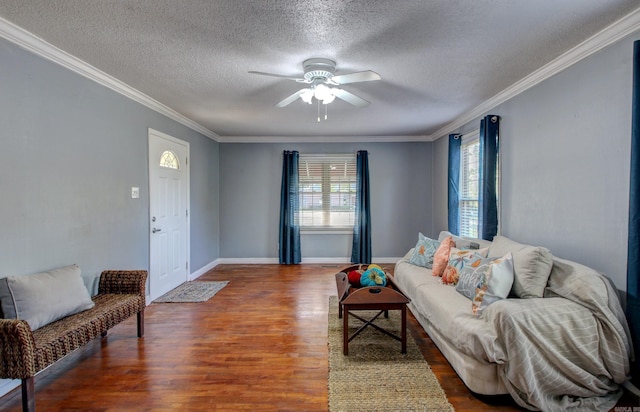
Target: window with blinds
{"type": "Point", "coordinates": [469, 187]}
{"type": "Point", "coordinates": [327, 188]}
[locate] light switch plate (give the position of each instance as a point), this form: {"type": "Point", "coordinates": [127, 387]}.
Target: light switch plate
{"type": "Point", "coordinates": [135, 192]}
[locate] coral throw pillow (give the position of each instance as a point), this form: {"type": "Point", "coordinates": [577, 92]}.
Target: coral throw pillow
{"type": "Point", "coordinates": [441, 257]}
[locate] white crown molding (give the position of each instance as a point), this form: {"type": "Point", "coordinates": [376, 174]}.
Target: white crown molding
{"type": "Point", "coordinates": [40, 47]}
{"type": "Point", "coordinates": [614, 32]}
{"type": "Point", "coordinates": [607, 36]}
{"type": "Point", "coordinates": [322, 139]}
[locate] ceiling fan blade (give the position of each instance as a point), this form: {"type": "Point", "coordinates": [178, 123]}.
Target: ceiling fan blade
{"type": "Point", "coordinates": [350, 98]}
{"type": "Point", "coordinates": [279, 76]}
{"type": "Point", "coordinates": [365, 76]}
{"type": "Point", "coordinates": [287, 101]}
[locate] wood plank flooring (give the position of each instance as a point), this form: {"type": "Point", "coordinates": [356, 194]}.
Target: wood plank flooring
{"type": "Point", "coordinates": [260, 344]}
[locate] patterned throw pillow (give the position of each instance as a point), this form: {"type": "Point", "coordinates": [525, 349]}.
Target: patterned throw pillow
{"type": "Point", "coordinates": [458, 258]}
{"type": "Point", "coordinates": [485, 281]}
{"type": "Point", "coordinates": [441, 258]}
{"type": "Point", "coordinates": [424, 251]}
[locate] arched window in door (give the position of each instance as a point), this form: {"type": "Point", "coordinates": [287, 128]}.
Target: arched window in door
{"type": "Point", "coordinates": [169, 160]}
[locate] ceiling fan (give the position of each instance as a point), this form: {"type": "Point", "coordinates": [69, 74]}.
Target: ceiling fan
{"type": "Point", "coordinates": [319, 74]}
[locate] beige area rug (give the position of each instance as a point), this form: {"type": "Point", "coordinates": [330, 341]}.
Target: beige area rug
{"type": "Point", "coordinates": [376, 376]}
{"type": "Point", "coordinates": [194, 291]}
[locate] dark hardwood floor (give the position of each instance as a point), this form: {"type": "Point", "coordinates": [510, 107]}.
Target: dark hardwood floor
{"type": "Point", "coordinates": [260, 344]}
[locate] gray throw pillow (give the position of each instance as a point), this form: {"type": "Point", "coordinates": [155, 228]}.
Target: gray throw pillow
{"type": "Point", "coordinates": [531, 266]}
{"type": "Point", "coordinates": [44, 297]}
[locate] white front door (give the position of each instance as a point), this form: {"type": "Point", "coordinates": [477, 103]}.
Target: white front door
{"type": "Point", "coordinates": [169, 213]}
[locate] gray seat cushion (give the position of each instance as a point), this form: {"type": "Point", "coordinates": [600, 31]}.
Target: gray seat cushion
{"type": "Point", "coordinates": [531, 266]}
{"type": "Point", "coordinates": [44, 297]}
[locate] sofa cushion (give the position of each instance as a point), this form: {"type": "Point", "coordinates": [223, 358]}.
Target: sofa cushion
{"type": "Point", "coordinates": [458, 258]}
{"type": "Point", "coordinates": [494, 284]}
{"type": "Point", "coordinates": [439, 303]}
{"type": "Point", "coordinates": [423, 251]}
{"type": "Point", "coordinates": [441, 258]}
{"type": "Point", "coordinates": [470, 276]}
{"type": "Point", "coordinates": [531, 266]}
{"type": "Point", "coordinates": [44, 297]}
{"type": "Point", "coordinates": [440, 309]}
{"type": "Point", "coordinates": [486, 280]}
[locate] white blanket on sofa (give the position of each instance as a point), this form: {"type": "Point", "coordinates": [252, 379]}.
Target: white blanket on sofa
{"type": "Point", "coordinates": [567, 351]}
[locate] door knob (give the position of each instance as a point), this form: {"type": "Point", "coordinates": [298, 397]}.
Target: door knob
{"type": "Point", "coordinates": [154, 230]}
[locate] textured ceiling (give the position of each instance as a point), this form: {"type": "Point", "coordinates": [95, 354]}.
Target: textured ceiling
{"type": "Point", "coordinates": [438, 59]}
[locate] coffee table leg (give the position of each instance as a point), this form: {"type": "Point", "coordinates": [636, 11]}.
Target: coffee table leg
{"type": "Point", "coordinates": [345, 331]}
{"type": "Point", "coordinates": [404, 328]}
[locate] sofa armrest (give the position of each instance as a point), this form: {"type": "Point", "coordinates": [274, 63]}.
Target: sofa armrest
{"type": "Point", "coordinates": [123, 282]}
{"type": "Point", "coordinates": [17, 349]}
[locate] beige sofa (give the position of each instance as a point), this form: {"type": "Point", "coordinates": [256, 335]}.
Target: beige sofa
{"type": "Point", "coordinates": [559, 341]}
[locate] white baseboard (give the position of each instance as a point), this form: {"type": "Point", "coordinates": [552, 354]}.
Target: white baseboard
{"type": "Point", "coordinates": [7, 385]}
{"type": "Point", "coordinates": [248, 261]}
{"type": "Point", "coordinates": [344, 260]}
{"type": "Point", "coordinates": [274, 261]}
{"type": "Point", "coordinates": [204, 269]}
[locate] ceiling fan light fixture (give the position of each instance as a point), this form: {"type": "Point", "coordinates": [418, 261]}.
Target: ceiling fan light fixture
{"type": "Point", "coordinates": [328, 99]}
{"type": "Point", "coordinates": [322, 92]}
{"type": "Point", "coordinates": [307, 95]}
{"type": "Point", "coordinates": [319, 74]}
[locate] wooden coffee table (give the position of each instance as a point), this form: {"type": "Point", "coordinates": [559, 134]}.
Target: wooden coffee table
{"type": "Point", "coordinates": [382, 299]}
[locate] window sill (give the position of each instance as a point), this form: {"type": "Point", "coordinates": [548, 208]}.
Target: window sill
{"type": "Point", "coordinates": [327, 231]}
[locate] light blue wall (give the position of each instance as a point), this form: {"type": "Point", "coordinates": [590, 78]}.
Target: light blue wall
{"type": "Point", "coordinates": [250, 175]}
{"type": "Point", "coordinates": [70, 152]}
{"type": "Point", "coordinates": [565, 148]}
{"type": "Point", "coordinates": [72, 149]}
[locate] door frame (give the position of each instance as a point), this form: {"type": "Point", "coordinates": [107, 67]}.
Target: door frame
{"type": "Point", "coordinates": [157, 134]}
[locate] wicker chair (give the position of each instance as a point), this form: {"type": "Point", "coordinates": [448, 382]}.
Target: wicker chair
{"type": "Point", "coordinates": [24, 352]}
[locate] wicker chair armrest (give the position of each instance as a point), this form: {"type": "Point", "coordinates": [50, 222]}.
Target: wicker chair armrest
{"type": "Point", "coordinates": [123, 281]}
{"type": "Point", "coordinates": [17, 349]}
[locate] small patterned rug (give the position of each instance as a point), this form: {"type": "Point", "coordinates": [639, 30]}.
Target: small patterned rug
{"type": "Point", "coordinates": [375, 376]}
{"type": "Point", "coordinates": [195, 291]}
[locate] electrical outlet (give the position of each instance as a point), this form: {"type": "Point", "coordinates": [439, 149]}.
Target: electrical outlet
{"type": "Point", "coordinates": [135, 192]}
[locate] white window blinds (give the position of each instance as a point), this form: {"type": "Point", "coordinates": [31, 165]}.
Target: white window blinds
{"type": "Point", "coordinates": [327, 187]}
{"type": "Point", "coordinates": [469, 188]}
